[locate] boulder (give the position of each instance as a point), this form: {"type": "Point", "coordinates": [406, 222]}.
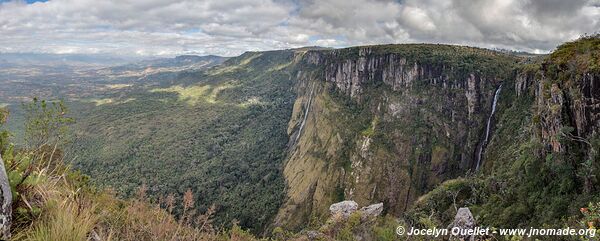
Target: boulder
{"type": "Point", "coordinates": [5, 203]}
{"type": "Point", "coordinates": [464, 220]}
{"type": "Point", "coordinates": [343, 209]}
{"type": "Point", "coordinates": [372, 210]}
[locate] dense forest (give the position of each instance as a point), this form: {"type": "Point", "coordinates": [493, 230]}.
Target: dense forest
{"type": "Point", "coordinates": [220, 133]}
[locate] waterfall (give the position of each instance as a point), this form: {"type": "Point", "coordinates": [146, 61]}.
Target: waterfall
{"type": "Point", "coordinates": [308, 104]}
{"type": "Point", "coordinates": [487, 128]}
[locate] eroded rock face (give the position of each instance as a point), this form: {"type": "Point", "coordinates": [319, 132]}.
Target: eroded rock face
{"type": "Point", "coordinates": [576, 105]}
{"type": "Point", "coordinates": [471, 94]}
{"type": "Point", "coordinates": [587, 110]}
{"type": "Point", "coordinates": [344, 209]}
{"type": "Point", "coordinates": [350, 70]}
{"type": "Point", "coordinates": [394, 70]}
{"type": "Point", "coordinates": [553, 117]}
{"type": "Point", "coordinates": [413, 123]}
{"type": "Point", "coordinates": [523, 82]}
{"type": "Point", "coordinates": [5, 203]}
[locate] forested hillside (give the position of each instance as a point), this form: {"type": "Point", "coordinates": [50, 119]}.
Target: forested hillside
{"type": "Point", "coordinates": [220, 133]}
{"type": "Point", "coordinates": [43, 198]}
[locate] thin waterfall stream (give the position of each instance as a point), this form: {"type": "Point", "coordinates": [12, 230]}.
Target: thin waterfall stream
{"type": "Point", "coordinates": [487, 128]}
{"type": "Point", "coordinates": [308, 104]}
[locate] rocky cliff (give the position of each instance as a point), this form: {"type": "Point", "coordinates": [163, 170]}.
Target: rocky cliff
{"type": "Point", "coordinates": [568, 95]}
{"type": "Point", "coordinates": [541, 163]}
{"type": "Point", "coordinates": [385, 124]}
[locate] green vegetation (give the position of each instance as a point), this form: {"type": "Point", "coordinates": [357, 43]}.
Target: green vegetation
{"type": "Point", "coordinates": [582, 55]}
{"type": "Point", "coordinates": [591, 216]}
{"type": "Point", "coordinates": [53, 202]}
{"type": "Point", "coordinates": [220, 133]}
{"type": "Point", "coordinates": [371, 129]}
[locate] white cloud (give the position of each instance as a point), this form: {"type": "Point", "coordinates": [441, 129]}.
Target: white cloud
{"type": "Point", "coordinates": [328, 42]}
{"type": "Point", "coordinates": [417, 18]}
{"type": "Point", "coordinates": [230, 27]}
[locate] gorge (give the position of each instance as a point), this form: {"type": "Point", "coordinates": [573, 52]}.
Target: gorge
{"type": "Point", "coordinates": [387, 123]}
{"type": "Point", "coordinates": [273, 138]}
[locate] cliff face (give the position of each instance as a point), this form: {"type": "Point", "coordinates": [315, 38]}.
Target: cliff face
{"type": "Point", "coordinates": [541, 164]}
{"type": "Point", "coordinates": [567, 97]}
{"type": "Point", "coordinates": [586, 103]}
{"type": "Point", "coordinates": [565, 87]}
{"type": "Point", "coordinates": [385, 124]}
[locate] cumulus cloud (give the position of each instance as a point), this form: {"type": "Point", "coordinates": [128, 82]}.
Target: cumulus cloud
{"type": "Point", "coordinates": [230, 27]}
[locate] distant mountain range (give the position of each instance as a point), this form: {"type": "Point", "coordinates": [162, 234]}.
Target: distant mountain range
{"type": "Point", "coordinates": [20, 59]}
{"type": "Point", "coordinates": [96, 60]}
{"type": "Point", "coordinates": [178, 63]}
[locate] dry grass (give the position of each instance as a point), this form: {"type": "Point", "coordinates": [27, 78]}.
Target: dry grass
{"type": "Point", "coordinates": [67, 215]}
{"type": "Point", "coordinates": [140, 220]}
{"type": "Point", "coordinates": [65, 222]}
{"type": "Point", "coordinates": [70, 209]}
{"type": "Point", "coordinates": [70, 213]}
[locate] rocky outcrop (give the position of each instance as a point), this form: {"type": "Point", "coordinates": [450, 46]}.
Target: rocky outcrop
{"type": "Point", "coordinates": [523, 82]}
{"type": "Point", "coordinates": [463, 220]}
{"type": "Point", "coordinates": [373, 210]}
{"type": "Point", "coordinates": [315, 235]}
{"type": "Point", "coordinates": [343, 217]}
{"type": "Point", "coordinates": [585, 103]}
{"type": "Point", "coordinates": [346, 208]}
{"type": "Point", "coordinates": [5, 203]}
{"type": "Point", "coordinates": [343, 209]}
{"type": "Point", "coordinates": [471, 94]}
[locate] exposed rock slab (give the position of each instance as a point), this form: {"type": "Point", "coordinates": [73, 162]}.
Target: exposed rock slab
{"type": "Point", "coordinates": [344, 209]}
{"type": "Point", "coordinates": [5, 203]}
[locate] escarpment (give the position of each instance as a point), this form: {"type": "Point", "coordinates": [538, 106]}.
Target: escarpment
{"type": "Point", "coordinates": [385, 124]}
{"type": "Point", "coordinates": [565, 88]}
{"type": "Point", "coordinates": [542, 160]}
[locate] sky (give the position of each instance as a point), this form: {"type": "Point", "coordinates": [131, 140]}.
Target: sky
{"type": "Point", "coordinates": [231, 27]}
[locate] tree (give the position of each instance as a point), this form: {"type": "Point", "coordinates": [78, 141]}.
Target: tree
{"type": "Point", "coordinates": [45, 123]}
